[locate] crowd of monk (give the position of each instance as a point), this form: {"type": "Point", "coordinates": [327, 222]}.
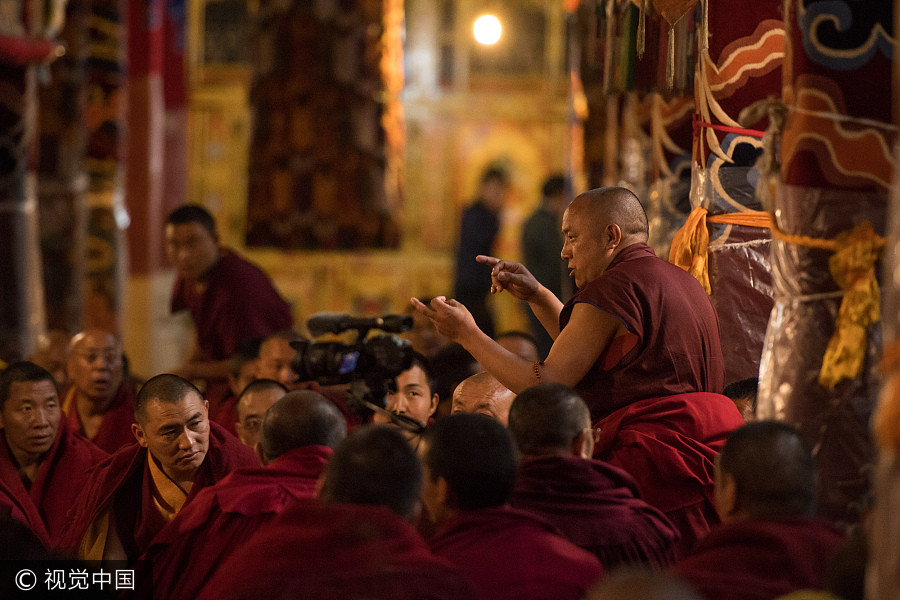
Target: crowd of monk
{"type": "Point", "coordinates": [613, 467]}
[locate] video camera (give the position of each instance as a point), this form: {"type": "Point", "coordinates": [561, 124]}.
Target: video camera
{"type": "Point", "coordinates": [369, 364]}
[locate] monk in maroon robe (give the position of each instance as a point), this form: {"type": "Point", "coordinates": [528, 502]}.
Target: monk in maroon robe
{"type": "Point", "coordinates": [769, 544]}
{"type": "Point", "coordinates": [594, 504]}
{"type": "Point", "coordinates": [469, 474]}
{"type": "Point", "coordinates": [43, 465]}
{"type": "Point", "coordinates": [356, 544]}
{"type": "Point", "coordinates": [299, 433]}
{"type": "Point", "coordinates": [230, 299]}
{"type": "Point", "coordinates": [132, 495]}
{"type": "Point", "coordinates": [99, 403]}
{"type": "Point", "coordinates": [638, 329]}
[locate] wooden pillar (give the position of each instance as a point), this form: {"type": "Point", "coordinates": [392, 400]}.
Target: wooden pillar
{"type": "Point", "coordinates": [835, 172]}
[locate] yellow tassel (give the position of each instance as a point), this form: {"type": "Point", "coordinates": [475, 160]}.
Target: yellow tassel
{"type": "Point", "coordinates": [690, 247]}
{"type": "Point", "coordinates": [852, 267]}
{"type": "Point", "coordinates": [670, 60]}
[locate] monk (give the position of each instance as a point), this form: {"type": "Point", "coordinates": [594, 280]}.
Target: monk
{"type": "Point", "coordinates": [230, 299]}
{"type": "Point", "coordinates": [769, 543]}
{"type": "Point", "coordinates": [132, 495]}
{"type": "Point", "coordinates": [638, 330]}
{"type": "Point", "coordinates": [483, 394]}
{"type": "Point", "coordinates": [252, 405]}
{"type": "Point", "coordinates": [469, 472]}
{"type": "Point", "coordinates": [355, 543]}
{"type": "Point", "coordinates": [299, 434]}
{"type": "Point", "coordinates": [43, 465]}
{"type": "Point", "coordinates": [99, 403]}
{"type": "Point", "coordinates": [595, 505]}
{"type": "Point", "coordinates": [275, 357]}
{"type": "Point", "coordinates": [242, 371]}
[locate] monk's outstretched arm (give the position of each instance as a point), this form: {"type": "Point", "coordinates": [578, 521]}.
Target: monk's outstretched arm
{"type": "Point", "coordinates": [575, 350]}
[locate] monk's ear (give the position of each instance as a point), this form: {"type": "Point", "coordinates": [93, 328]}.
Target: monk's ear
{"type": "Point", "coordinates": [583, 444]}
{"type": "Point", "coordinates": [139, 435]}
{"type": "Point", "coordinates": [263, 459]}
{"type": "Point", "coordinates": [435, 399]}
{"type": "Point", "coordinates": [726, 498]}
{"type": "Point", "coordinates": [613, 236]}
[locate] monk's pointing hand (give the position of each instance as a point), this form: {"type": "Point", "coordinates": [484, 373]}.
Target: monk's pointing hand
{"type": "Point", "coordinates": [510, 276]}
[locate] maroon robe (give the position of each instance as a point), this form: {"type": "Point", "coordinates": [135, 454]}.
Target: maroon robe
{"type": "Point", "coordinates": [597, 507]}
{"type": "Point", "coordinates": [123, 481]}
{"type": "Point", "coordinates": [239, 303]}
{"type": "Point", "coordinates": [115, 429]}
{"type": "Point", "coordinates": [510, 554]}
{"type": "Point", "coordinates": [669, 446]}
{"type": "Point", "coordinates": [671, 322]}
{"type": "Point", "coordinates": [336, 552]}
{"type": "Point", "coordinates": [224, 412]}
{"type": "Point", "coordinates": [760, 559]}
{"type": "Point", "coordinates": [224, 516]}
{"type": "Point", "coordinates": [43, 506]}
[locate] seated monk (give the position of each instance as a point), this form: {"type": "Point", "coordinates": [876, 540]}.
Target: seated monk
{"type": "Point", "coordinates": [482, 394]}
{"type": "Point", "coordinates": [595, 505]}
{"type": "Point", "coordinates": [133, 494]}
{"type": "Point", "coordinates": [275, 357]}
{"type": "Point", "coordinates": [469, 472]}
{"type": "Point", "coordinates": [299, 433]}
{"type": "Point", "coordinates": [637, 330]}
{"type": "Point", "coordinates": [768, 544]}
{"type": "Point", "coordinates": [412, 397]}
{"type": "Point", "coordinates": [99, 403]}
{"type": "Point", "coordinates": [43, 465]}
{"type": "Point", "coordinates": [355, 543]}
{"type": "Point", "coordinates": [252, 405]}
{"type": "Point", "coordinates": [242, 372]}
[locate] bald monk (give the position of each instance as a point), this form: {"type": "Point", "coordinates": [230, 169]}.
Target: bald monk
{"type": "Point", "coordinates": [769, 543]}
{"type": "Point", "coordinates": [595, 505]}
{"type": "Point", "coordinates": [483, 394]}
{"type": "Point", "coordinates": [355, 543]}
{"type": "Point", "coordinates": [638, 330]}
{"type": "Point", "coordinates": [470, 470]}
{"type": "Point", "coordinates": [43, 465]}
{"type": "Point", "coordinates": [299, 434]}
{"type": "Point", "coordinates": [252, 405]}
{"type": "Point", "coordinates": [132, 495]}
{"type": "Point", "coordinates": [99, 403]}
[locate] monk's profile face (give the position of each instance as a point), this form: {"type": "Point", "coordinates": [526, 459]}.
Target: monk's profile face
{"type": "Point", "coordinates": [413, 397]}
{"type": "Point", "coordinates": [30, 419]}
{"type": "Point", "coordinates": [251, 409]}
{"type": "Point", "coordinates": [584, 251]}
{"type": "Point", "coordinates": [95, 365]}
{"type": "Point", "coordinates": [275, 356]}
{"type": "Point", "coordinates": [191, 249]}
{"type": "Point", "coordinates": [176, 434]}
{"type": "Point", "coordinates": [484, 395]}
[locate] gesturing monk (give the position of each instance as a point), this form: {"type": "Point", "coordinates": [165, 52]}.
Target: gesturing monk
{"type": "Point", "coordinates": [131, 496]}
{"type": "Point", "coordinates": [639, 339]}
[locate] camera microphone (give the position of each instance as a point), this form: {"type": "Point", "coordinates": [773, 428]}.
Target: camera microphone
{"type": "Point", "coordinates": [332, 322]}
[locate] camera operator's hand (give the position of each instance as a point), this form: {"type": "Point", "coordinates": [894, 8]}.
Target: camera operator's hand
{"type": "Point", "coordinates": [510, 276]}
{"type": "Point", "coordinates": [450, 317]}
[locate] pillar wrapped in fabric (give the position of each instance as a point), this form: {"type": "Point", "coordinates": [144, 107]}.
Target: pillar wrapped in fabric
{"type": "Point", "coordinates": [823, 340]}
{"type": "Point", "coordinates": [738, 69]}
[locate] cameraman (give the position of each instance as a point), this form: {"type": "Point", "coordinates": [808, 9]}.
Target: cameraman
{"type": "Point", "coordinates": [412, 397]}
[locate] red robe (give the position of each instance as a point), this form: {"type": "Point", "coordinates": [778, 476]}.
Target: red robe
{"type": "Point", "coordinates": [597, 507]}
{"type": "Point", "coordinates": [239, 303]}
{"type": "Point", "coordinates": [224, 516]}
{"type": "Point", "coordinates": [123, 482]}
{"type": "Point", "coordinates": [115, 429]}
{"type": "Point", "coordinates": [336, 552]}
{"type": "Point", "coordinates": [224, 412]}
{"type": "Point", "coordinates": [510, 554]}
{"type": "Point", "coordinates": [669, 446]}
{"type": "Point", "coordinates": [62, 475]}
{"type": "Point", "coordinates": [673, 345]}
{"type": "Point", "coordinates": [760, 559]}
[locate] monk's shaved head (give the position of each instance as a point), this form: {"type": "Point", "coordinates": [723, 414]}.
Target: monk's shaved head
{"type": "Point", "coordinates": [546, 418]}
{"type": "Point", "coordinates": [615, 205]}
{"type": "Point", "coordinates": [166, 388]}
{"type": "Point", "coordinates": [301, 418]}
{"type": "Point", "coordinates": [483, 394]}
